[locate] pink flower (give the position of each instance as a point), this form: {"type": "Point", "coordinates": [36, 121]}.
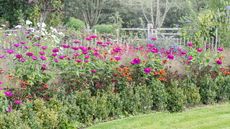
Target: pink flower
{"type": "Point", "coordinates": [154, 50]}
{"type": "Point", "coordinates": [78, 60]}
{"type": "Point", "coordinates": [44, 67]}
{"type": "Point", "coordinates": [135, 61]}
{"type": "Point", "coordinates": [16, 44]}
{"type": "Point", "coordinates": [154, 39]}
{"type": "Point", "coordinates": [170, 56]}
{"type": "Point", "coordinates": [93, 36]}
{"type": "Point", "coordinates": [61, 57]}
{"type": "Point", "coordinates": [190, 44]}
{"type": "Point", "coordinates": [190, 58]}
{"type": "Point", "coordinates": [29, 54]}
{"type": "Point", "coordinates": [34, 57]}
{"type": "Point", "coordinates": [65, 46]}
{"type": "Point", "coordinates": [43, 58]}
{"type": "Point", "coordinates": [9, 108]}
{"type": "Point", "coordinates": [56, 60]}
{"type": "Point", "coordinates": [199, 50]}
{"type": "Point", "coordinates": [44, 47]}
{"type": "Point", "coordinates": [117, 58]}
{"type": "Point", "coordinates": [77, 41]}
{"type": "Point", "coordinates": [17, 102]}
{"type": "Point", "coordinates": [94, 71]}
{"type": "Point", "coordinates": [22, 60]}
{"type": "Point", "coordinates": [219, 62]}
{"type": "Point", "coordinates": [42, 53]}
{"type": "Point", "coordinates": [88, 38]}
{"type": "Point", "coordinates": [19, 56]}
{"type": "Point", "coordinates": [1, 82]}
{"type": "Point", "coordinates": [8, 93]}
{"type": "Point", "coordinates": [75, 48]}
{"type": "Point", "coordinates": [220, 49]}
{"type": "Point", "coordinates": [87, 56]}
{"type": "Point", "coordinates": [99, 42]}
{"type": "Point", "coordinates": [22, 42]}
{"type": "Point", "coordinates": [147, 70]}
{"type": "Point", "coordinates": [55, 50]}
{"type": "Point", "coordinates": [54, 54]}
{"type": "Point", "coordinates": [10, 51]}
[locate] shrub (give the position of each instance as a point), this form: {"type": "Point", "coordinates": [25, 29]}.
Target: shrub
{"type": "Point", "coordinates": [208, 90]}
{"type": "Point", "coordinates": [159, 95]}
{"type": "Point", "coordinates": [75, 24]}
{"type": "Point", "coordinates": [176, 98]}
{"type": "Point", "coordinates": [223, 88]}
{"type": "Point", "coordinates": [105, 28]}
{"type": "Point", "coordinates": [191, 91]}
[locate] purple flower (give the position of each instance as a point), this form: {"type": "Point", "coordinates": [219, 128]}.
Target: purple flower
{"type": "Point", "coordinates": [220, 49]}
{"type": "Point", "coordinates": [9, 108]}
{"type": "Point", "coordinates": [42, 53]}
{"type": "Point", "coordinates": [26, 47]}
{"type": "Point", "coordinates": [75, 48]}
{"type": "Point", "coordinates": [2, 56]}
{"type": "Point", "coordinates": [8, 93]}
{"type": "Point", "coordinates": [154, 39]}
{"type": "Point", "coordinates": [77, 41]}
{"type": "Point", "coordinates": [170, 56]}
{"type": "Point", "coordinates": [22, 42]}
{"type": "Point", "coordinates": [78, 60]}
{"type": "Point", "coordinates": [219, 62]}
{"type": "Point", "coordinates": [1, 82]}
{"type": "Point", "coordinates": [135, 61]}
{"type": "Point", "coordinates": [56, 60]}
{"type": "Point", "coordinates": [87, 56]}
{"type": "Point", "coordinates": [44, 47]}
{"type": "Point", "coordinates": [22, 60]}
{"type": "Point", "coordinates": [10, 51]}
{"type": "Point", "coordinates": [34, 57]}
{"type": "Point", "coordinates": [55, 50]}
{"type": "Point", "coordinates": [16, 44]}
{"type": "Point", "coordinates": [99, 42]}
{"type": "Point", "coordinates": [147, 70]}
{"type": "Point", "coordinates": [17, 102]}
{"type": "Point", "coordinates": [154, 50]}
{"type": "Point", "coordinates": [88, 38]}
{"type": "Point", "coordinates": [86, 61]}
{"type": "Point", "coordinates": [29, 54]}
{"type": "Point", "coordinates": [1, 88]}
{"type": "Point", "coordinates": [93, 36]}
{"type": "Point", "coordinates": [43, 58]}
{"type": "Point", "coordinates": [18, 56]}
{"type": "Point", "coordinates": [61, 57]}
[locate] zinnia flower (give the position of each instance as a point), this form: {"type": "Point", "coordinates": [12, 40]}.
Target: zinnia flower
{"type": "Point", "coordinates": [117, 58]}
{"type": "Point", "coordinates": [29, 54]}
{"type": "Point", "coordinates": [42, 53]}
{"type": "Point", "coordinates": [190, 58]}
{"type": "Point", "coordinates": [93, 36]}
{"type": "Point", "coordinates": [219, 62]}
{"type": "Point", "coordinates": [199, 50]}
{"type": "Point", "coordinates": [94, 71]}
{"type": "Point", "coordinates": [19, 56]}
{"type": "Point", "coordinates": [55, 50]}
{"type": "Point", "coordinates": [44, 47]}
{"type": "Point", "coordinates": [190, 44]}
{"type": "Point", "coordinates": [16, 44]}
{"type": "Point", "coordinates": [65, 46]}
{"type": "Point", "coordinates": [170, 57]}
{"type": "Point", "coordinates": [8, 93]}
{"type": "Point", "coordinates": [10, 51]}
{"type": "Point", "coordinates": [147, 70]}
{"type": "Point", "coordinates": [43, 58]}
{"type": "Point", "coordinates": [34, 57]}
{"type": "Point", "coordinates": [220, 49]}
{"type": "Point", "coordinates": [154, 39]}
{"type": "Point", "coordinates": [135, 61]}
{"type": "Point", "coordinates": [77, 41]}
{"type": "Point", "coordinates": [154, 50]}
{"type": "Point", "coordinates": [18, 102]}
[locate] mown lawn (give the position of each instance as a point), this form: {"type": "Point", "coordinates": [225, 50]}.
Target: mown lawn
{"type": "Point", "coordinates": [206, 117]}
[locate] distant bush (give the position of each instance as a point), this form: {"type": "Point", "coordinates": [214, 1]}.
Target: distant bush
{"type": "Point", "coordinates": [105, 28]}
{"type": "Point", "coordinates": [75, 24]}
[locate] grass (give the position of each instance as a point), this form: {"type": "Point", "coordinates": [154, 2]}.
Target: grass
{"type": "Point", "coordinates": [206, 117]}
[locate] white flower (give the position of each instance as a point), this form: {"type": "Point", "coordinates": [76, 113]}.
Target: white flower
{"type": "Point", "coordinates": [42, 25]}
{"type": "Point", "coordinates": [28, 22]}
{"type": "Point", "coordinates": [18, 26]}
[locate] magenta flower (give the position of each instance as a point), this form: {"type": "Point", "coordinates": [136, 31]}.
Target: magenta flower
{"type": "Point", "coordinates": [26, 47]}
{"type": "Point", "coordinates": [77, 41]}
{"type": "Point", "coordinates": [220, 49]}
{"type": "Point", "coordinates": [22, 60]}
{"type": "Point", "coordinates": [86, 61]}
{"type": "Point", "coordinates": [17, 102]}
{"type": "Point", "coordinates": [154, 39]}
{"type": "Point", "coordinates": [34, 57]}
{"type": "Point", "coordinates": [93, 36]}
{"type": "Point", "coordinates": [135, 61]}
{"type": "Point", "coordinates": [154, 50]}
{"type": "Point", "coordinates": [78, 60]}
{"type": "Point", "coordinates": [8, 93]}
{"type": "Point", "coordinates": [22, 42]}
{"type": "Point", "coordinates": [150, 45]}
{"type": "Point", "coordinates": [44, 47]}
{"type": "Point", "coordinates": [65, 46]}
{"type": "Point", "coordinates": [55, 50]}
{"type": "Point", "coordinates": [18, 56]}
{"type": "Point", "coordinates": [170, 56]}
{"type": "Point", "coordinates": [9, 108]}
{"type": "Point", "coordinates": [10, 51]}
{"type": "Point", "coordinates": [88, 38]}
{"type": "Point", "coordinates": [219, 62]}
{"type": "Point", "coordinates": [87, 56]}
{"type": "Point", "coordinates": [61, 57]}
{"type": "Point", "coordinates": [54, 54]}
{"type": "Point", "coordinates": [29, 54]}
{"type": "Point", "coordinates": [99, 42]}
{"type": "Point", "coordinates": [43, 58]}
{"type": "Point", "coordinates": [44, 67]}
{"type": "Point", "coordinates": [1, 82]}
{"type": "Point", "coordinates": [190, 44]}
{"type": "Point", "coordinates": [1, 88]}
{"type": "Point", "coordinates": [75, 48]}
{"type": "Point", "coordinates": [17, 45]}
{"type": "Point", "coordinates": [94, 71]}
{"type": "Point", "coordinates": [42, 53]}
{"type": "Point", "coordinates": [56, 60]}
{"type": "Point", "coordinates": [2, 56]}
{"type": "Point", "coordinates": [147, 70]}
{"type": "Point", "coordinates": [199, 50]}
{"type": "Point", "coordinates": [190, 58]}
{"type": "Point", "coordinates": [117, 58]}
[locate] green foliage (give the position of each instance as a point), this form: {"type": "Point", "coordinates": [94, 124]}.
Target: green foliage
{"type": "Point", "coordinates": [176, 98]}
{"type": "Point", "coordinates": [105, 28]}
{"type": "Point", "coordinates": [223, 88]}
{"type": "Point", "coordinates": [75, 24]}
{"type": "Point", "coordinates": [191, 91]}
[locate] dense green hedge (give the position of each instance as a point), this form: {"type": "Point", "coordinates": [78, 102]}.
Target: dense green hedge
{"type": "Point", "coordinates": [83, 108]}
